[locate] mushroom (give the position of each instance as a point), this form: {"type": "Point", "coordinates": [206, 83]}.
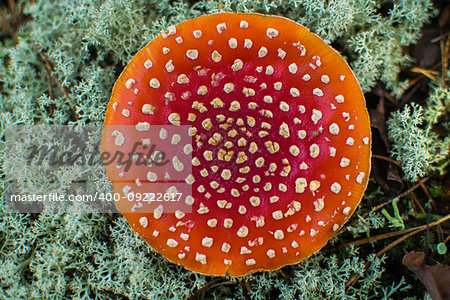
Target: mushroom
{"type": "Point", "coordinates": [280, 141]}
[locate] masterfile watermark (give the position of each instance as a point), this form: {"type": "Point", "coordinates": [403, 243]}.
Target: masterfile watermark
{"type": "Point", "coordinates": [57, 158]}
{"type": "Point", "coordinates": [70, 168]}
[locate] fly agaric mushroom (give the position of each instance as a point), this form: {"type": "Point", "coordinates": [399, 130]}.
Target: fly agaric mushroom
{"type": "Point", "coordinates": [280, 140]}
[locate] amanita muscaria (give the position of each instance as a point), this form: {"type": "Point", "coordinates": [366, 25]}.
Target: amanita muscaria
{"type": "Point", "coordinates": [280, 137]}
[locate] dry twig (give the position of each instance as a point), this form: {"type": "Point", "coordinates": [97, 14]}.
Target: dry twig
{"type": "Point", "coordinates": [388, 159]}
{"type": "Point", "coordinates": [218, 281]}
{"type": "Point", "coordinates": [445, 50]}
{"type": "Point", "coordinates": [410, 190]}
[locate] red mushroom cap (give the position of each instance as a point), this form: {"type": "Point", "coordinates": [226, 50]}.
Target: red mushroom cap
{"type": "Point", "coordinates": [281, 140]}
